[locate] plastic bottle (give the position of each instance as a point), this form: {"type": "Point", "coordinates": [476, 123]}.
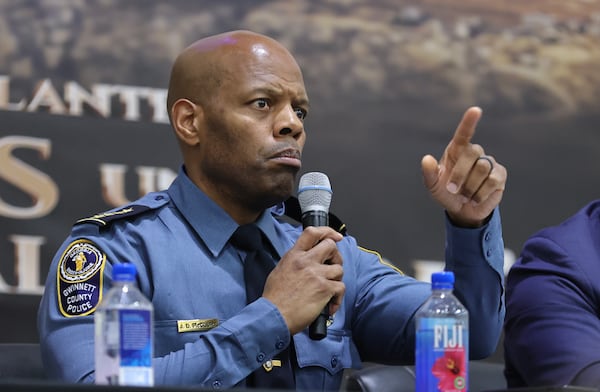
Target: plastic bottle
{"type": "Point", "coordinates": [123, 325]}
{"type": "Point", "coordinates": [442, 341]}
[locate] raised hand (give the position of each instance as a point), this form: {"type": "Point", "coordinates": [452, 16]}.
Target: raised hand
{"type": "Point", "coordinates": [468, 183]}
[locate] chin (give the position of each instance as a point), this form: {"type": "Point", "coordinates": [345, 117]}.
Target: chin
{"type": "Point", "coordinates": [282, 190]}
{"type": "Point", "coordinates": [282, 193]}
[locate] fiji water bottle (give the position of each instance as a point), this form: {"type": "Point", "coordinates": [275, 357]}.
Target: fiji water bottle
{"type": "Point", "coordinates": [442, 346]}
{"type": "Point", "coordinates": [123, 332]}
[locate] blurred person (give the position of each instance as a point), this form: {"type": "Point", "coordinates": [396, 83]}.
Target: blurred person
{"type": "Point", "coordinates": [237, 104]}
{"type": "Point", "coordinates": [552, 331]}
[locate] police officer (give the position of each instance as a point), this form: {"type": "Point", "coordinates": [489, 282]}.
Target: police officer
{"type": "Point", "coordinates": [237, 103]}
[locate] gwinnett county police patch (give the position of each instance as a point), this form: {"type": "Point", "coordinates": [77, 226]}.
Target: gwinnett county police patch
{"type": "Point", "coordinates": [79, 278]}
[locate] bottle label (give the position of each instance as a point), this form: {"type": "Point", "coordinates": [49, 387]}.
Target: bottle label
{"type": "Point", "coordinates": [442, 355]}
{"type": "Point", "coordinates": [135, 347]}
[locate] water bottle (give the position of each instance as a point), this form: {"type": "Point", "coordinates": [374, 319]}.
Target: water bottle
{"type": "Point", "coordinates": [123, 332]}
{"type": "Point", "coordinates": [442, 345]}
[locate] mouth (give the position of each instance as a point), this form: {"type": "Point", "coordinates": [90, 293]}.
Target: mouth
{"type": "Point", "coordinates": [289, 157]}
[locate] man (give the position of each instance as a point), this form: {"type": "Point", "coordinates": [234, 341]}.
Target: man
{"type": "Point", "coordinates": [237, 104]}
{"type": "Point", "coordinates": [553, 306]}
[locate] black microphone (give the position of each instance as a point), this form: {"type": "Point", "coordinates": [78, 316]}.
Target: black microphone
{"type": "Point", "coordinates": [314, 195]}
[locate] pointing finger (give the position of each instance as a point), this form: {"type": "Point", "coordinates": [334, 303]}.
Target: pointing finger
{"type": "Point", "coordinates": [466, 129]}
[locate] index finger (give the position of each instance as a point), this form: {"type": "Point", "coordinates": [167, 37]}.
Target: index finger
{"type": "Point", "coordinates": [466, 128]}
{"type": "Point", "coordinates": [312, 235]}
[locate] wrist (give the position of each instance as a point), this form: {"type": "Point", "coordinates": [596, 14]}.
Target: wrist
{"type": "Point", "coordinates": [462, 222]}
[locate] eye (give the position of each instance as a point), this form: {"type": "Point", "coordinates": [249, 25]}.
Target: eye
{"type": "Point", "coordinates": [261, 103]}
{"type": "Point", "coordinates": [301, 113]}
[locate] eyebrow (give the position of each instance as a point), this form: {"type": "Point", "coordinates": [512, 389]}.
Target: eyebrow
{"type": "Point", "coordinates": [274, 91]}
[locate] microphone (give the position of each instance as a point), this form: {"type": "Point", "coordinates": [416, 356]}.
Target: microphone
{"type": "Point", "coordinates": [314, 196]}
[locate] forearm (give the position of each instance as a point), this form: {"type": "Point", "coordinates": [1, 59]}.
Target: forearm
{"type": "Point", "coordinates": [225, 355]}
{"type": "Point", "coordinates": [476, 256]}
{"type": "Point", "coordinates": [220, 357]}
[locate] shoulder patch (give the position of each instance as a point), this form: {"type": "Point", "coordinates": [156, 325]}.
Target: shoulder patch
{"type": "Point", "coordinates": [105, 218]}
{"type": "Point", "coordinates": [80, 278]}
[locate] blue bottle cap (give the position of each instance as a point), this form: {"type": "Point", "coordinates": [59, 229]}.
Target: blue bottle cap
{"type": "Point", "coordinates": [124, 272]}
{"type": "Point", "coordinates": [442, 280]}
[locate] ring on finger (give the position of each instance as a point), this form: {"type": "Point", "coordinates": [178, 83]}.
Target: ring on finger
{"type": "Point", "coordinates": [487, 158]}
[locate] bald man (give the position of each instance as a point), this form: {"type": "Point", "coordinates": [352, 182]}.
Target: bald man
{"type": "Point", "coordinates": [237, 104]}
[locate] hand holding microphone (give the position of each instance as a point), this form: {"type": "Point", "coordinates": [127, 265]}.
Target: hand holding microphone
{"type": "Point", "coordinates": [308, 278]}
{"type": "Point", "coordinates": [314, 195]}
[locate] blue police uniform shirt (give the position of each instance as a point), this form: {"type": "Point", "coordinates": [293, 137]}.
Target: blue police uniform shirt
{"type": "Point", "coordinates": [206, 334]}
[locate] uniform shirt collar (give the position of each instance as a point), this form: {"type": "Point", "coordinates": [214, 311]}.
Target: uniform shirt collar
{"type": "Point", "coordinates": [210, 221]}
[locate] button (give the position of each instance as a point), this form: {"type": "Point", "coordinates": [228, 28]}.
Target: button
{"type": "Point", "coordinates": [487, 236]}
{"type": "Point", "coordinates": [280, 345]}
{"type": "Point", "coordinates": [260, 357]}
{"type": "Point", "coordinates": [216, 384]}
{"type": "Point", "coordinates": [334, 361]}
{"type": "Point", "coordinates": [488, 253]}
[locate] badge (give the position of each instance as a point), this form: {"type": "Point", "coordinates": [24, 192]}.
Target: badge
{"type": "Point", "coordinates": [79, 278]}
{"type": "Point", "coordinates": [196, 325]}
{"type": "Point", "coordinates": [270, 364]}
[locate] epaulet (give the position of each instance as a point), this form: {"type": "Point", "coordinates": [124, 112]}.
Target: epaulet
{"type": "Point", "coordinates": [106, 218]}
{"type": "Point", "coordinates": [293, 211]}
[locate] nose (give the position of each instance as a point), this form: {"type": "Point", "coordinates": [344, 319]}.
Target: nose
{"type": "Point", "coordinates": [288, 123]}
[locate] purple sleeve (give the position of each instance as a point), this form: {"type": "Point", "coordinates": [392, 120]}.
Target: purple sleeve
{"type": "Point", "coordinates": [552, 329]}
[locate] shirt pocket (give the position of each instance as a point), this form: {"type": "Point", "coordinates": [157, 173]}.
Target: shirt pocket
{"type": "Point", "coordinates": [332, 353]}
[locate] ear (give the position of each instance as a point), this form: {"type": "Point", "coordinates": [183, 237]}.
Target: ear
{"type": "Point", "coordinates": [184, 118]}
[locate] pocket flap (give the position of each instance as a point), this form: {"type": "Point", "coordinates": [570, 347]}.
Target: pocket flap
{"type": "Point", "coordinates": [332, 352]}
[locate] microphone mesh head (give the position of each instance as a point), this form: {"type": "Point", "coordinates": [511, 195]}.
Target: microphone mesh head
{"type": "Point", "coordinates": [314, 192]}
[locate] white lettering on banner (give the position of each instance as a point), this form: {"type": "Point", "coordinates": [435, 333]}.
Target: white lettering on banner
{"type": "Point", "coordinates": [46, 96]}
{"type": "Point", "coordinates": [4, 96]}
{"type": "Point", "coordinates": [99, 100]}
{"type": "Point", "coordinates": [39, 186]}
{"type": "Point", "coordinates": [154, 178]}
{"type": "Point", "coordinates": [150, 178]}
{"type": "Point", "coordinates": [44, 192]}
{"type": "Point", "coordinates": [26, 267]}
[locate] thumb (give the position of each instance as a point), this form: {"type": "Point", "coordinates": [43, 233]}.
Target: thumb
{"type": "Point", "coordinates": [431, 170]}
